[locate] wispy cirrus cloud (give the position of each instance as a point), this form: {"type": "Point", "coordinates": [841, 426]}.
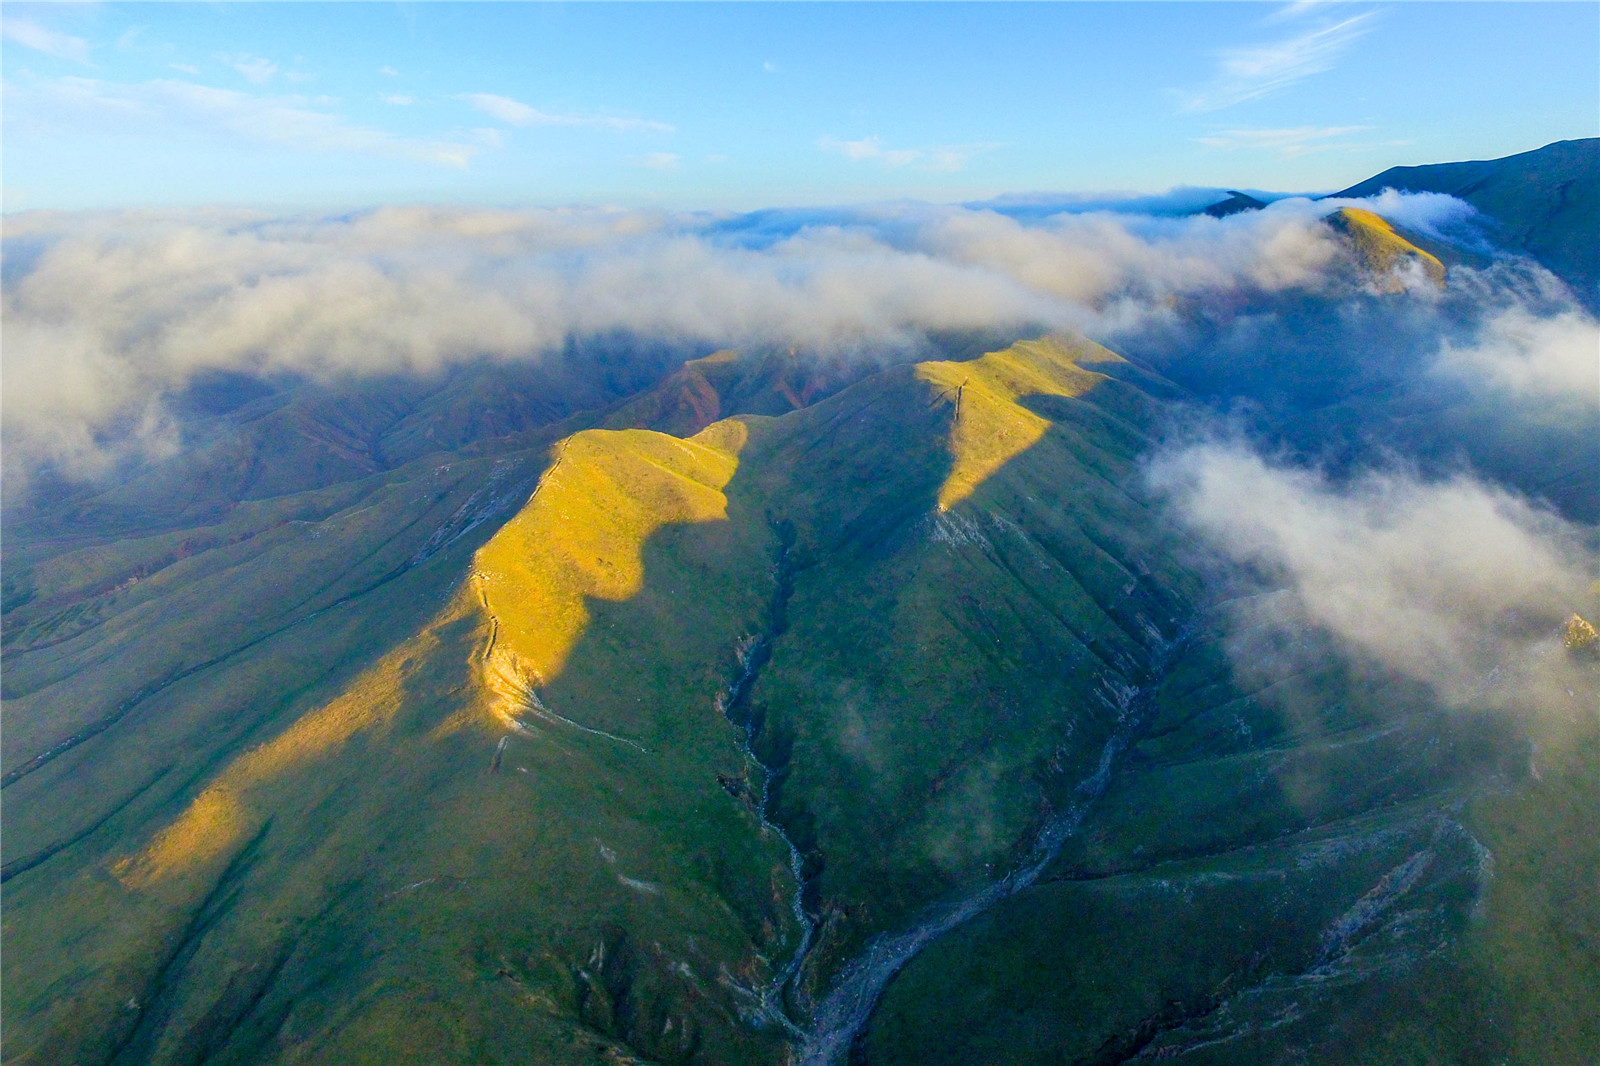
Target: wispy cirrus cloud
{"type": "Point", "coordinates": [254, 69]}
{"type": "Point", "coordinates": [1296, 9]}
{"type": "Point", "coordinates": [1255, 71]}
{"type": "Point", "coordinates": [516, 113]}
{"type": "Point", "coordinates": [870, 148]}
{"type": "Point", "coordinates": [290, 121]}
{"type": "Point", "coordinates": [944, 158]}
{"type": "Point", "coordinates": [658, 160]}
{"type": "Point", "coordinates": [30, 34]}
{"type": "Point", "coordinates": [1292, 142]}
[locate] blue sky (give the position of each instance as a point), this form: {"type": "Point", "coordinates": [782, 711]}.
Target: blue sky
{"type": "Point", "coordinates": [307, 105]}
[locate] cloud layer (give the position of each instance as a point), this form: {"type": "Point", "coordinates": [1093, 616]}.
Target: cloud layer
{"type": "Point", "coordinates": [1530, 357]}
{"type": "Point", "coordinates": [1453, 583]}
{"type": "Point", "coordinates": [107, 313]}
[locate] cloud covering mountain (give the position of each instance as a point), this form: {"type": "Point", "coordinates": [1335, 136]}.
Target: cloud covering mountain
{"type": "Point", "coordinates": [107, 313]}
{"type": "Point", "coordinates": [1455, 583]}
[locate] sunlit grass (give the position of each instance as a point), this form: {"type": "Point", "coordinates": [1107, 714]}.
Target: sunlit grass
{"type": "Point", "coordinates": [991, 427]}
{"type": "Point", "coordinates": [1381, 249]}
{"type": "Point", "coordinates": [583, 532]}
{"type": "Point", "coordinates": [222, 815]}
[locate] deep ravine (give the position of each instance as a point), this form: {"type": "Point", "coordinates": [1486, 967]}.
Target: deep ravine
{"type": "Point", "coordinates": [843, 1014]}
{"type": "Point", "coordinates": [751, 654]}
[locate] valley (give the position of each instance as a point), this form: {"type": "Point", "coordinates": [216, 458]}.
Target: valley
{"type": "Point", "coordinates": [657, 705]}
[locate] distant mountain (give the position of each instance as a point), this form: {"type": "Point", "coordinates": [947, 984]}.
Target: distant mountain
{"type": "Point", "coordinates": [1382, 251]}
{"type": "Point", "coordinates": [1545, 203]}
{"type": "Point", "coordinates": [763, 709]}
{"type": "Point", "coordinates": [1236, 202]}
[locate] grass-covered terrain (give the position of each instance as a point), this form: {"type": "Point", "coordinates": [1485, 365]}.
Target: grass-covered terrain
{"type": "Point", "coordinates": [1545, 203]}
{"type": "Point", "coordinates": [510, 773]}
{"type": "Point", "coordinates": [678, 714]}
{"type": "Point", "coordinates": [1299, 863]}
{"type": "Point", "coordinates": [1384, 252]}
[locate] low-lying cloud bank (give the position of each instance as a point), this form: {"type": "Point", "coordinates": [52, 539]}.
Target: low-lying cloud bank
{"type": "Point", "coordinates": [105, 314]}
{"type": "Point", "coordinates": [1454, 583]}
{"type": "Point", "coordinates": [1530, 357]}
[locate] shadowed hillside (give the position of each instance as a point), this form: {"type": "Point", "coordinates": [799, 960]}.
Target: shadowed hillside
{"type": "Point", "coordinates": [963, 699]}
{"type": "Point", "coordinates": [1545, 203]}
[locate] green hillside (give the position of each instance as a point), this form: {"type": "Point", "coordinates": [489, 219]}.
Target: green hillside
{"type": "Point", "coordinates": [646, 705]}
{"type": "Point", "coordinates": [1384, 253]}
{"type": "Point", "coordinates": [1545, 203]}
{"type": "Point", "coordinates": [638, 747]}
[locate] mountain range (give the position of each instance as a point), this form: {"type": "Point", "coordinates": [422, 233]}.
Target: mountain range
{"type": "Point", "coordinates": [645, 704]}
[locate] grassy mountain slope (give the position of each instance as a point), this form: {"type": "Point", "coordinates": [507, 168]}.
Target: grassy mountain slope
{"type": "Point", "coordinates": [1382, 251]}
{"type": "Point", "coordinates": [1301, 862]}
{"type": "Point", "coordinates": [640, 735]}
{"type": "Point", "coordinates": [1546, 203]}
{"type": "Point", "coordinates": [530, 825]}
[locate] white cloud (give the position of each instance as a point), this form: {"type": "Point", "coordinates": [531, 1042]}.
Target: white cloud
{"type": "Point", "coordinates": [658, 160]}
{"type": "Point", "coordinates": [397, 99]}
{"type": "Point", "coordinates": [254, 69]}
{"type": "Point", "coordinates": [185, 68]}
{"type": "Point", "coordinates": [870, 148]}
{"type": "Point", "coordinates": [516, 113]}
{"type": "Point", "coordinates": [1298, 9]}
{"type": "Point", "coordinates": [119, 309]}
{"type": "Point", "coordinates": [388, 71]}
{"type": "Point", "coordinates": [1432, 214]}
{"type": "Point", "coordinates": [1288, 143]}
{"type": "Point", "coordinates": [947, 158]}
{"type": "Point", "coordinates": [1253, 72]}
{"type": "Point", "coordinates": [1526, 356]}
{"type": "Point", "coordinates": [943, 158]}
{"type": "Point", "coordinates": [1453, 583]}
{"type": "Point", "coordinates": [771, 68]}
{"type": "Point", "coordinates": [290, 121]}
{"type": "Point", "coordinates": [30, 34]}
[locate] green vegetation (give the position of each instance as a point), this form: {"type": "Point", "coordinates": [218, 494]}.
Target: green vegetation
{"type": "Point", "coordinates": [1383, 252]}
{"type": "Point", "coordinates": [1362, 869]}
{"type": "Point", "coordinates": [1544, 203]}
{"type": "Point", "coordinates": [510, 719]}
{"type": "Point", "coordinates": [534, 807]}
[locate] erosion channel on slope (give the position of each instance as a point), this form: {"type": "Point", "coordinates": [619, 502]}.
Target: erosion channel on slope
{"type": "Point", "coordinates": [751, 654]}
{"type": "Point", "coordinates": [843, 1014]}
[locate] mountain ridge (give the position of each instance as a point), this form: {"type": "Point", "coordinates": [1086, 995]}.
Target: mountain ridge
{"type": "Point", "coordinates": [1545, 203]}
{"type": "Point", "coordinates": [756, 707]}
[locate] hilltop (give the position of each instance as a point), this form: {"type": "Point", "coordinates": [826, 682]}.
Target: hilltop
{"type": "Point", "coordinates": [1545, 203]}
{"type": "Point", "coordinates": [657, 703]}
